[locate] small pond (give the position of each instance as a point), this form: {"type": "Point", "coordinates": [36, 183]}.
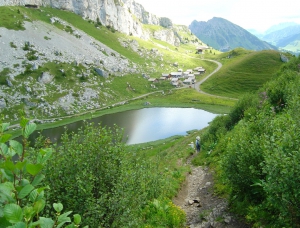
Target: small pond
{"type": "Point", "coordinates": [145, 125]}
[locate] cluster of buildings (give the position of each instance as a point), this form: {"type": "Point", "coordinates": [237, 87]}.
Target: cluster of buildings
{"type": "Point", "coordinates": [187, 77]}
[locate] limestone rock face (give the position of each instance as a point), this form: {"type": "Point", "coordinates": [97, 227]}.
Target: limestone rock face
{"type": "Point", "coordinates": [126, 16]}
{"type": "Point", "coordinates": [167, 35]}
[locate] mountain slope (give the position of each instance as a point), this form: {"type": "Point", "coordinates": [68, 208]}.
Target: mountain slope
{"type": "Point", "coordinates": [287, 38]}
{"type": "Point", "coordinates": [125, 16]}
{"type": "Point", "coordinates": [279, 26]}
{"type": "Point", "coordinates": [282, 36]}
{"type": "Point", "coordinates": [223, 35]}
{"type": "Point", "coordinates": [54, 63]}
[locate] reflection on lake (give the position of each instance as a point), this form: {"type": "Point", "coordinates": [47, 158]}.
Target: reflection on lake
{"type": "Point", "coordinates": [145, 125]}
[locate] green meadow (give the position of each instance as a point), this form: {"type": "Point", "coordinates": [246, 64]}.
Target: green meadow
{"type": "Point", "coordinates": [243, 72]}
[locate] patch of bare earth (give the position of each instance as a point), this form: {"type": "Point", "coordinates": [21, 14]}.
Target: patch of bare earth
{"type": "Point", "coordinates": [202, 207]}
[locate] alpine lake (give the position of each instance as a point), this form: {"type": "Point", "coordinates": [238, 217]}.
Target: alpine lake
{"type": "Point", "coordinates": [142, 125]}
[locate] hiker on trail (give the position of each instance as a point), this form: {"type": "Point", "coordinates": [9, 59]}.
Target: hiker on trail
{"type": "Point", "coordinates": [198, 146]}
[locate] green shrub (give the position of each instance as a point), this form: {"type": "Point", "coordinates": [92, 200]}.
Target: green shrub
{"type": "Point", "coordinates": [3, 75]}
{"type": "Point", "coordinates": [163, 213]}
{"type": "Point", "coordinates": [31, 55]}
{"type": "Point", "coordinates": [92, 173]}
{"type": "Point", "coordinates": [26, 46]}
{"type": "Point", "coordinates": [241, 163]}
{"type": "Point", "coordinates": [282, 156]}
{"type": "Point", "coordinates": [261, 154]}
{"type": "Point", "coordinates": [13, 45]}
{"type": "Point", "coordinates": [22, 193]}
{"type": "Point", "coordinates": [238, 112]}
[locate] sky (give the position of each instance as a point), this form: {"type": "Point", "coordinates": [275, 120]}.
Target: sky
{"type": "Point", "coordinates": [249, 14]}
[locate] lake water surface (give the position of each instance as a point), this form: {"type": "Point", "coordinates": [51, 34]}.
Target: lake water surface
{"type": "Point", "coordinates": [145, 125]}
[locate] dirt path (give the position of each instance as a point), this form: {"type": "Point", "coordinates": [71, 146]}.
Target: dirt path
{"type": "Point", "coordinates": [202, 207]}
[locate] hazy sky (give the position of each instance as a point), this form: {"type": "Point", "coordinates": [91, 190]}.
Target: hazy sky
{"type": "Point", "coordinates": [249, 14]}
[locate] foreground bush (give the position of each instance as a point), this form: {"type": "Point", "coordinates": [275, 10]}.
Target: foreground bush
{"type": "Point", "coordinates": [21, 189]}
{"type": "Point", "coordinates": [92, 173]}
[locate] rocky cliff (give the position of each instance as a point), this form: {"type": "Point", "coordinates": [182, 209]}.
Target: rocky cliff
{"type": "Point", "coordinates": [126, 16]}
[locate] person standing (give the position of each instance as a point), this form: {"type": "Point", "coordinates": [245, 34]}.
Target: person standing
{"type": "Point", "coordinates": [198, 145]}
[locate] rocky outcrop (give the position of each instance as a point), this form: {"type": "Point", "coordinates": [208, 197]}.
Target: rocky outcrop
{"type": "Point", "coordinates": [2, 103]}
{"type": "Point", "coordinates": [45, 78]}
{"type": "Point", "coordinates": [126, 16]}
{"type": "Point", "coordinates": [167, 35]}
{"type": "Point", "coordinates": [101, 72]}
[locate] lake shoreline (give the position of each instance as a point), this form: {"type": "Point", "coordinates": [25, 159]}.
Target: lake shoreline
{"type": "Point", "coordinates": [135, 105]}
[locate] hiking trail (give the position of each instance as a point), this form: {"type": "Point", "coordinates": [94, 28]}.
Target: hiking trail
{"type": "Point", "coordinates": [203, 208]}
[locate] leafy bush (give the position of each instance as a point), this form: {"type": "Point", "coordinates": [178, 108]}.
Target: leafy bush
{"type": "Point", "coordinates": [261, 158]}
{"type": "Point", "coordinates": [163, 213]}
{"type": "Point", "coordinates": [282, 156]}
{"type": "Point", "coordinates": [93, 174]}
{"type": "Point", "coordinates": [241, 163]}
{"type": "Point", "coordinates": [22, 194]}
{"type": "Point", "coordinates": [3, 75]}
{"type": "Point", "coordinates": [238, 112]}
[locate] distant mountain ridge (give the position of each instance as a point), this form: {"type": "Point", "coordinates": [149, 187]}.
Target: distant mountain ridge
{"type": "Point", "coordinates": [223, 35]}
{"type": "Point", "coordinates": [285, 36]}
{"type": "Point", "coordinates": [279, 36]}
{"type": "Point", "coordinates": [279, 26]}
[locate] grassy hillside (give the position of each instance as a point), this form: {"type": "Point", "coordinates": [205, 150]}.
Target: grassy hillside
{"type": "Point", "coordinates": [111, 37]}
{"type": "Point", "coordinates": [243, 71]}
{"type": "Point", "coordinates": [108, 36]}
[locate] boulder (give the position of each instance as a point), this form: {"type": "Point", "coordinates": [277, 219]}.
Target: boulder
{"type": "Point", "coordinates": [2, 103]}
{"type": "Point", "coordinates": [101, 72]}
{"type": "Point", "coordinates": [35, 66]}
{"type": "Point", "coordinates": [52, 20]}
{"type": "Point", "coordinates": [9, 83]}
{"type": "Point", "coordinates": [191, 202]}
{"type": "Point", "coordinates": [45, 78]}
{"type": "Point", "coordinates": [75, 63]}
{"type": "Point", "coordinates": [28, 89]}
{"type": "Point", "coordinates": [28, 103]}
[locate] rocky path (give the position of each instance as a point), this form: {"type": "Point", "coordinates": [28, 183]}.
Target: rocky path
{"type": "Point", "coordinates": [203, 208]}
